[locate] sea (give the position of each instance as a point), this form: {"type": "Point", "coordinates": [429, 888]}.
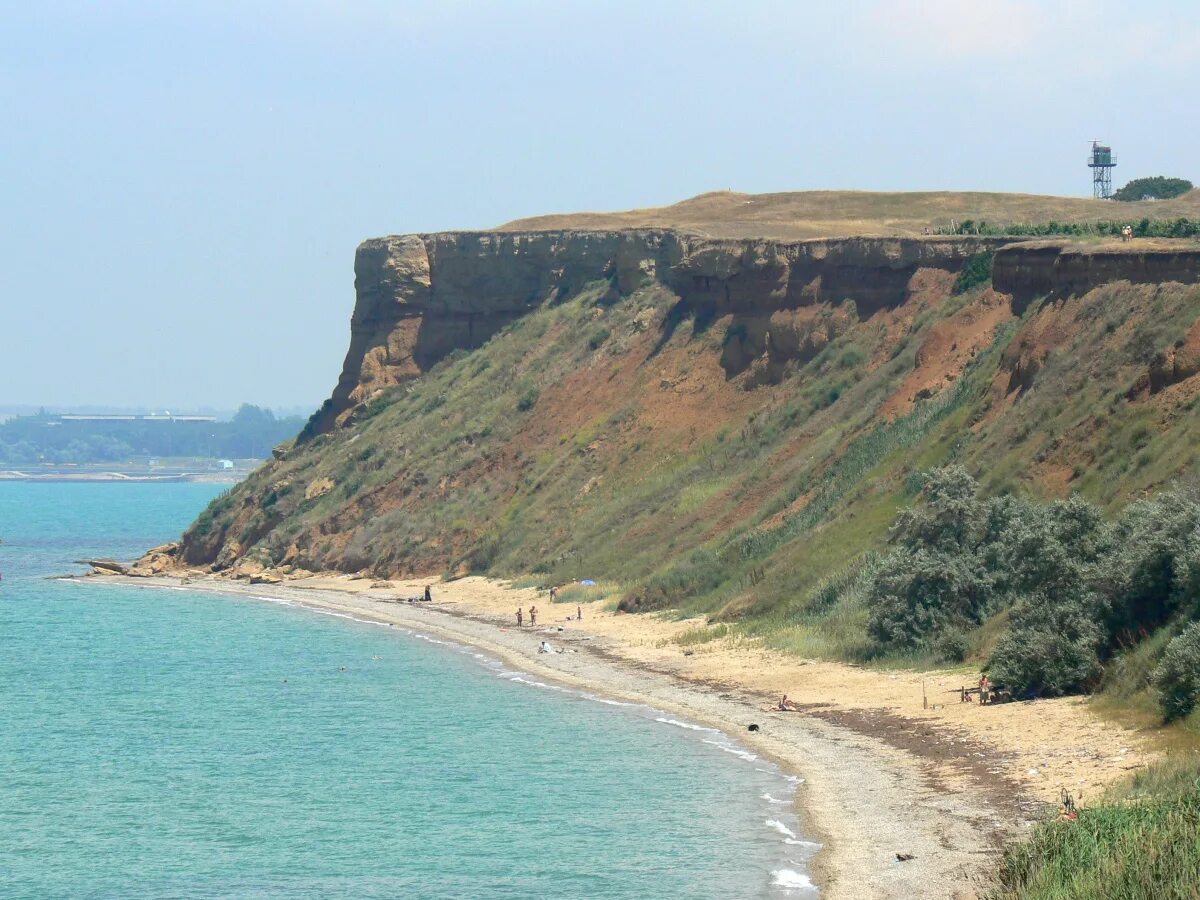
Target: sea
{"type": "Point", "coordinates": [167, 743]}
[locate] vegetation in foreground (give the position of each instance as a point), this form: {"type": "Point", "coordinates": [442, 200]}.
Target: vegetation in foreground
{"type": "Point", "coordinates": [1141, 843]}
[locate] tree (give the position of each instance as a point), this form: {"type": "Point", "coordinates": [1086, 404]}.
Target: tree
{"type": "Point", "coordinates": [1155, 188]}
{"type": "Point", "coordinates": [938, 577]}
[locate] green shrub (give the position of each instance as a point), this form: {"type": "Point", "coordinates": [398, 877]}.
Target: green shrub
{"type": "Point", "coordinates": [952, 646]}
{"type": "Point", "coordinates": [1052, 649]}
{"type": "Point", "coordinates": [528, 398]}
{"type": "Point", "coordinates": [918, 594]}
{"type": "Point", "coordinates": [598, 337]}
{"type": "Point", "coordinates": [852, 357]}
{"type": "Point", "coordinates": [1177, 678]}
{"type": "Point", "coordinates": [976, 272]}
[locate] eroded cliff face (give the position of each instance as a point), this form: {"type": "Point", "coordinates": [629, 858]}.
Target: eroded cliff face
{"type": "Point", "coordinates": [667, 391]}
{"type": "Point", "coordinates": [1031, 270]}
{"type": "Point", "coordinates": [420, 297]}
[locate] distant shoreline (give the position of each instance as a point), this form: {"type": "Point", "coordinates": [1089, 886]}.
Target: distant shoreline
{"type": "Point", "coordinates": [861, 800]}
{"type": "Point", "coordinates": [121, 478]}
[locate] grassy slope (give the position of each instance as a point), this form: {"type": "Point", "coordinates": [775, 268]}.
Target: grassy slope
{"type": "Point", "coordinates": [573, 445]}
{"type": "Point", "coordinates": [814, 214]}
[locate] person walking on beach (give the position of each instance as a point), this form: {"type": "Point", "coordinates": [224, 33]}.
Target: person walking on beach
{"type": "Point", "coordinates": [553, 593]}
{"type": "Point", "coordinates": [533, 615]}
{"type": "Point", "coordinates": [428, 595]}
{"type": "Point", "coordinates": [520, 617]}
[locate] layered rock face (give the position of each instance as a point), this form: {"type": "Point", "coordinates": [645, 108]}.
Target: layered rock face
{"type": "Point", "coordinates": [419, 297]}
{"type": "Point", "coordinates": [1028, 271]}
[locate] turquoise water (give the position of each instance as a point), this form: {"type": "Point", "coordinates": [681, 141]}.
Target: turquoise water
{"type": "Point", "coordinates": [158, 743]}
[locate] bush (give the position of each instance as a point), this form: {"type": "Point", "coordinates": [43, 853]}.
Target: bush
{"type": "Point", "coordinates": [527, 399]}
{"type": "Point", "coordinates": [918, 594]}
{"type": "Point", "coordinates": [976, 272]}
{"type": "Point", "coordinates": [1052, 649]}
{"type": "Point", "coordinates": [852, 358]}
{"type": "Point", "coordinates": [598, 337]}
{"type": "Point", "coordinates": [952, 646]}
{"type": "Point", "coordinates": [1177, 678]}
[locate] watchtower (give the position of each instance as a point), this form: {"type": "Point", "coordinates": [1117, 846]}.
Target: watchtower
{"type": "Point", "coordinates": [1101, 162]}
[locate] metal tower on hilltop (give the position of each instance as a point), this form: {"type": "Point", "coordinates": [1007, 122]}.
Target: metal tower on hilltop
{"type": "Point", "coordinates": [1101, 163]}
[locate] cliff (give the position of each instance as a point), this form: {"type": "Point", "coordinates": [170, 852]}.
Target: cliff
{"type": "Point", "coordinates": [420, 297]}
{"type": "Point", "coordinates": [720, 423]}
{"type": "Point", "coordinates": [1031, 270]}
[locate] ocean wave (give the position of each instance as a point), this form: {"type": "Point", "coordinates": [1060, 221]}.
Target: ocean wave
{"type": "Point", "coordinates": [280, 600]}
{"type": "Point", "coordinates": [608, 702]}
{"type": "Point", "coordinates": [796, 842]}
{"type": "Point", "coordinates": [336, 615]}
{"type": "Point", "coordinates": [790, 878]}
{"type": "Point", "coordinates": [768, 797]}
{"type": "Point", "coordinates": [780, 827]}
{"type": "Point", "coordinates": [688, 725]}
{"type": "Point", "coordinates": [736, 751]}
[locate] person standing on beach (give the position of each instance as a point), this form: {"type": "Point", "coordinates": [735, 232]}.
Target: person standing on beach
{"type": "Point", "coordinates": [553, 593]}
{"type": "Point", "coordinates": [579, 614]}
{"type": "Point", "coordinates": [520, 618]}
{"type": "Point", "coordinates": [533, 615]}
{"type": "Point", "coordinates": [428, 595]}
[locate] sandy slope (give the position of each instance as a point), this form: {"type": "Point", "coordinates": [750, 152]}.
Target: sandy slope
{"type": "Point", "coordinates": [882, 775]}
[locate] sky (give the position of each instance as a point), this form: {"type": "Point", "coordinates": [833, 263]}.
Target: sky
{"type": "Point", "coordinates": [183, 184]}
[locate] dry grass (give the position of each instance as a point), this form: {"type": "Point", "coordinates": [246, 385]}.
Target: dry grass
{"type": "Point", "coordinates": [812, 214]}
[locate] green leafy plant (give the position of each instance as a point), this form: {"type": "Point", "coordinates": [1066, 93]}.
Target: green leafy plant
{"type": "Point", "coordinates": [1177, 678]}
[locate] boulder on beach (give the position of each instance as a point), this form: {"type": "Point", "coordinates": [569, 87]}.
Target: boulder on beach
{"type": "Point", "coordinates": [105, 566]}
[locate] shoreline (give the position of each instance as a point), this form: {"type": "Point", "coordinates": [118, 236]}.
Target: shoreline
{"type": "Point", "coordinates": [861, 799]}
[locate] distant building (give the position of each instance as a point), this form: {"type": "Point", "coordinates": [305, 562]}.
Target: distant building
{"type": "Point", "coordinates": [226, 463]}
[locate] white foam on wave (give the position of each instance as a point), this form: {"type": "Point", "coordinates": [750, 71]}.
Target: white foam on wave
{"type": "Point", "coordinates": [336, 615]}
{"type": "Point", "coordinates": [736, 751]}
{"type": "Point", "coordinates": [796, 842]}
{"type": "Point", "coordinates": [690, 726]}
{"type": "Point", "coordinates": [790, 878]}
{"type": "Point", "coordinates": [427, 638]}
{"type": "Point", "coordinates": [608, 702]}
{"type": "Point", "coordinates": [520, 678]}
{"type": "Point", "coordinates": [766, 796]}
{"type": "Point", "coordinates": [281, 601]}
{"type": "Point", "coordinates": [780, 827]}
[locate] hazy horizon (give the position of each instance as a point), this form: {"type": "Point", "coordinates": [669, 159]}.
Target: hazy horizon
{"type": "Point", "coordinates": [184, 187]}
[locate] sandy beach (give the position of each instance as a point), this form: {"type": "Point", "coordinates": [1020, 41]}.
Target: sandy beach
{"type": "Point", "coordinates": [892, 763]}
